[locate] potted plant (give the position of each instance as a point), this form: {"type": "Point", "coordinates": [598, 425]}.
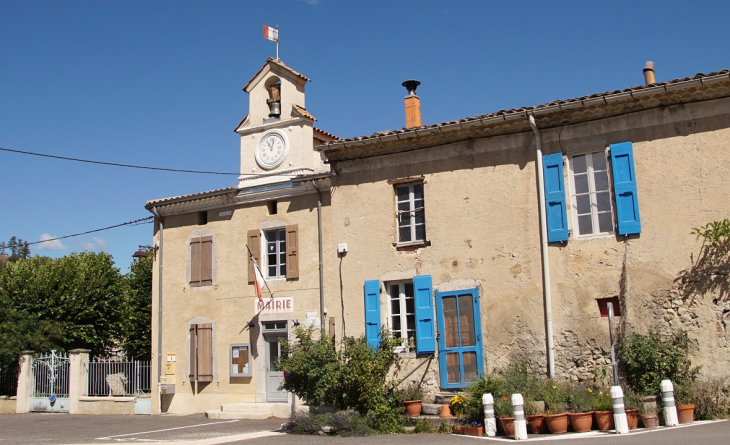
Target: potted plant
{"type": "Point", "coordinates": [412, 398]}
{"type": "Point", "coordinates": [535, 412]}
{"type": "Point", "coordinates": [503, 412]}
{"type": "Point", "coordinates": [632, 402]}
{"type": "Point", "coordinates": [456, 404]}
{"type": "Point", "coordinates": [683, 396]}
{"type": "Point", "coordinates": [647, 411]}
{"type": "Point", "coordinates": [603, 408]}
{"type": "Point", "coordinates": [554, 396]}
{"type": "Point", "coordinates": [457, 426]}
{"type": "Point", "coordinates": [473, 429]}
{"type": "Point", "coordinates": [581, 404]}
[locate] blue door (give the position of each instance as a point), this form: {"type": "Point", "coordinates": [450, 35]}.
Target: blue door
{"type": "Point", "coordinates": [460, 343]}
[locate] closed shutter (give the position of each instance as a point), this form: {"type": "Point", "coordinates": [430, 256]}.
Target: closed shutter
{"type": "Point", "coordinates": [254, 245]}
{"type": "Point", "coordinates": [556, 211]}
{"type": "Point", "coordinates": [372, 313]}
{"type": "Point", "coordinates": [205, 352]}
{"type": "Point", "coordinates": [423, 293]}
{"type": "Point", "coordinates": [206, 261]}
{"type": "Point", "coordinates": [624, 189]}
{"type": "Point", "coordinates": [195, 263]}
{"type": "Point", "coordinates": [292, 252]}
{"type": "Point", "coordinates": [192, 358]}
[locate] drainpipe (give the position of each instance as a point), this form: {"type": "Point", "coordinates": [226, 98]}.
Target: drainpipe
{"type": "Point", "coordinates": [547, 297]}
{"type": "Point", "coordinates": [321, 277]}
{"type": "Point", "coordinates": [159, 314]}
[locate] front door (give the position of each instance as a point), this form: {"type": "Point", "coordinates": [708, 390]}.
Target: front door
{"type": "Point", "coordinates": [274, 377]}
{"type": "Point", "coordinates": [460, 344]}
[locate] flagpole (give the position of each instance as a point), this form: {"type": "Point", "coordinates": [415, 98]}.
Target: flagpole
{"type": "Point", "coordinates": [277, 49]}
{"type": "Point", "coordinates": [257, 267]}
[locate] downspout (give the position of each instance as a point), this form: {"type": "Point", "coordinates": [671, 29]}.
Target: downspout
{"type": "Point", "coordinates": [547, 297]}
{"type": "Point", "coordinates": [321, 277]}
{"type": "Point", "coordinates": [159, 314]}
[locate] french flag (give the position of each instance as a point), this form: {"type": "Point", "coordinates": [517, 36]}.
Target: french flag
{"type": "Point", "coordinates": [271, 33]}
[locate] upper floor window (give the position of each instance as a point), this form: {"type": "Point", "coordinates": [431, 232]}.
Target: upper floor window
{"type": "Point", "coordinates": [410, 212]}
{"type": "Point", "coordinates": [280, 257]}
{"type": "Point", "coordinates": [591, 194]}
{"type": "Point", "coordinates": [201, 261]}
{"type": "Point", "coordinates": [275, 253]}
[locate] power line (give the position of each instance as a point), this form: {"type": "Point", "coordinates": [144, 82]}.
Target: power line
{"type": "Point", "coordinates": [136, 222]}
{"type": "Point", "coordinates": [113, 164]}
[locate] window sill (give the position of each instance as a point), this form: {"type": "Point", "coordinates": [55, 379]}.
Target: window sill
{"type": "Point", "coordinates": [412, 245]}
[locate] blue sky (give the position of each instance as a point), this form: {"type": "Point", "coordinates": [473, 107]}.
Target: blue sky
{"type": "Point", "coordinates": [159, 84]}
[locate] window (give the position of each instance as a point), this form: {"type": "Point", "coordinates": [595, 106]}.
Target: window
{"type": "Point", "coordinates": [241, 360]}
{"type": "Point", "coordinates": [402, 310]}
{"type": "Point", "coordinates": [201, 352]}
{"type": "Point", "coordinates": [591, 194]}
{"type": "Point", "coordinates": [201, 261]}
{"type": "Point", "coordinates": [410, 213]}
{"type": "Point", "coordinates": [275, 253]}
{"type": "Point", "coordinates": [282, 252]}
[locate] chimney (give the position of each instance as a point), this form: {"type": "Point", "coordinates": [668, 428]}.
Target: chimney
{"type": "Point", "coordinates": [649, 77]}
{"type": "Point", "coordinates": [413, 104]}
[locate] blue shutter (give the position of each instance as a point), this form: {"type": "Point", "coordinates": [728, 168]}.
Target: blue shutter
{"type": "Point", "coordinates": [624, 189]}
{"type": "Point", "coordinates": [557, 216]}
{"type": "Point", "coordinates": [372, 313]}
{"type": "Point", "coordinates": [425, 337]}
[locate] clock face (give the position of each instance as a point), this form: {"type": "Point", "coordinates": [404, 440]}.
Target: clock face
{"type": "Point", "coordinates": [271, 150]}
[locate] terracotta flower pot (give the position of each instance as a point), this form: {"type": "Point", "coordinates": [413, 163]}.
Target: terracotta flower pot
{"type": "Point", "coordinates": [445, 412]}
{"type": "Point", "coordinates": [581, 422]}
{"type": "Point", "coordinates": [457, 429]}
{"type": "Point", "coordinates": [473, 431]}
{"type": "Point", "coordinates": [649, 421]}
{"type": "Point", "coordinates": [604, 420]}
{"type": "Point", "coordinates": [535, 423]}
{"type": "Point", "coordinates": [413, 407]}
{"type": "Point", "coordinates": [508, 426]}
{"type": "Point", "coordinates": [632, 418]}
{"type": "Point", "coordinates": [686, 413]}
{"type": "Point", "coordinates": [557, 423]}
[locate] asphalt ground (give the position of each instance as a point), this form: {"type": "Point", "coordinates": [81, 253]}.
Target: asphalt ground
{"type": "Point", "coordinates": [197, 430]}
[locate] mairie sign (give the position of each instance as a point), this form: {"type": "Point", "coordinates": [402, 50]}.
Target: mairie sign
{"type": "Point", "coordinates": [280, 305]}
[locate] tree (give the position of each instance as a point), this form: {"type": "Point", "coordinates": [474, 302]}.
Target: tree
{"type": "Point", "coordinates": [80, 294]}
{"type": "Point", "coordinates": [137, 321]}
{"type": "Point", "coordinates": [19, 250]}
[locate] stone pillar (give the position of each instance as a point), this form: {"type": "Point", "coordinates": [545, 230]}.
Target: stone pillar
{"type": "Point", "coordinates": [78, 379]}
{"type": "Point", "coordinates": [25, 377]}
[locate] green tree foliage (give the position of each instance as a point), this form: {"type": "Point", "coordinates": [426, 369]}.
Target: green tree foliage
{"type": "Point", "coordinates": [80, 295]}
{"type": "Point", "coordinates": [646, 360]}
{"type": "Point", "coordinates": [137, 322]}
{"type": "Point", "coordinates": [15, 249]}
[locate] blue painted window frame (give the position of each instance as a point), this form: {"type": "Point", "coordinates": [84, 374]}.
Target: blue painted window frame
{"type": "Point", "coordinates": [442, 341]}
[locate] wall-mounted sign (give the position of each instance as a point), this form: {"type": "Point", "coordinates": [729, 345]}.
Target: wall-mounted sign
{"type": "Point", "coordinates": [225, 213]}
{"type": "Point", "coordinates": [280, 305]}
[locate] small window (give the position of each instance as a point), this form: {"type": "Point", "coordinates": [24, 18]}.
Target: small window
{"type": "Point", "coordinates": [201, 261]}
{"type": "Point", "coordinates": [591, 194]}
{"type": "Point", "coordinates": [402, 309]}
{"type": "Point", "coordinates": [202, 218]}
{"type": "Point", "coordinates": [241, 360]}
{"type": "Point", "coordinates": [275, 253]}
{"type": "Point", "coordinates": [272, 206]}
{"type": "Point", "coordinates": [410, 213]}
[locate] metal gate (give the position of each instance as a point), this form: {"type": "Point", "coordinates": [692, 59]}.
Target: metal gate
{"type": "Point", "coordinates": [50, 383]}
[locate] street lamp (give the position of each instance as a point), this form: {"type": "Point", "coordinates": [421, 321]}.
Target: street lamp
{"type": "Point", "coordinates": [140, 253]}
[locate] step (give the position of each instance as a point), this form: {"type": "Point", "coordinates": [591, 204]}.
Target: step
{"type": "Point", "coordinates": [253, 411]}
{"type": "Point", "coordinates": [430, 409]}
{"type": "Point", "coordinates": [443, 398]}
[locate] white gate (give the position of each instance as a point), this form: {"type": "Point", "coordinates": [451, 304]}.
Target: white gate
{"type": "Point", "coordinates": [50, 381]}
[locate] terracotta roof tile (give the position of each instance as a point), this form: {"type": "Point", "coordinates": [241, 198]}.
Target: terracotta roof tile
{"type": "Point", "coordinates": [281, 64]}
{"type": "Point", "coordinates": [328, 136]}
{"type": "Point", "coordinates": [222, 191]}
{"type": "Point", "coordinates": [303, 112]}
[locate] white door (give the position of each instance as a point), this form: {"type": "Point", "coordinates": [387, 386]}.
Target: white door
{"type": "Point", "coordinates": [274, 377]}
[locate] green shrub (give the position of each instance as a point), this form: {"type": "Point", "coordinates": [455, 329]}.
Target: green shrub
{"type": "Point", "coordinates": [503, 407]}
{"type": "Point", "coordinates": [648, 359]}
{"type": "Point", "coordinates": [491, 383]}
{"type": "Point", "coordinates": [520, 377]}
{"type": "Point", "coordinates": [350, 423]}
{"type": "Point", "coordinates": [444, 428]}
{"type": "Point", "coordinates": [306, 423]}
{"type": "Point", "coordinates": [386, 416]}
{"type": "Point", "coordinates": [580, 398]}
{"type": "Point", "coordinates": [711, 397]}
{"type": "Point", "coordinates": [554, 394]}
{"type": "Point", "coordinates": [423, 426]}
{"type": "Point", "coordinates": [602, 400]}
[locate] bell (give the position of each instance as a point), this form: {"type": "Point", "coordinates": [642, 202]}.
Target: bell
{"type": "Point", "coordinates": [274, 109]}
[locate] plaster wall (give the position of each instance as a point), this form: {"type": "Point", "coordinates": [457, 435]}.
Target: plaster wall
{"type": "Point", "coordinates": [106, 405]}
{"type": "Point", "coordinates": [229, 303]}
{"type": "Point", "coordinates": [482, 223]}
{"type": "Point", "coordinates": [7, 404]}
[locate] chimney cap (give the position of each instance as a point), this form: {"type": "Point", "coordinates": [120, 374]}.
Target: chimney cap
{"type": "Point", "coordinates": [649, 66]}
{"type": "Point", "coordinates": [411, 85]}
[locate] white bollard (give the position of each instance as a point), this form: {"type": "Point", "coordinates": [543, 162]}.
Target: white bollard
{"type": "Point", "coordinates": [619, 412]}
{"type": "Point", "coordinates": [518, 411]}
{"type": "Point", "coordinates": [670, 408]}
{"type": "Point", "coordinates": [490, 423]}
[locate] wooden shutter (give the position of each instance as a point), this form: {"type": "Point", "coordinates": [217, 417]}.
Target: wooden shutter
{"type": "Point", "coordinates": [195, 263]}
{"type": "Point", "coordinates": [254, 245]}
{"type": "Point", "coordinates": [624, 189]}
{"type": "Point", "coordinates": [423, 294]}
{"type": "Point", "coordinates": [192, 358]}
{"type": "Point", "coordinates": [292, 252]}
{"type": "Point", "coordinates": [206, 261]}
{"type": "Point", "coordinates": [555, 208]}
{"type": "Point", "coordinates": [205, 352]}
{"type": "Point", "coordinates": [372, 312]}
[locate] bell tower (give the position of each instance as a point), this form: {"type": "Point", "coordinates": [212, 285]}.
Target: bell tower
{"type": "Point", "coordinates": [277, 135]}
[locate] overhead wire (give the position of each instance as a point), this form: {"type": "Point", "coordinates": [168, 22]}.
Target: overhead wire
{"type": "Point", "coordinates": [136, 222]}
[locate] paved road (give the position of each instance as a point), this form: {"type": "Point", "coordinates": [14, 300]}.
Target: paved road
{"type": "Point", "coordinates": [197, 430]}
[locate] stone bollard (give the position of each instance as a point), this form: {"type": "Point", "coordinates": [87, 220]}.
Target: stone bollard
{"type": "Point", "coordinates": [490, 423]}
{"type": "Point", "coordinates": [670, 408]}
{"type": "Point", "coordinates": [619, 412]}
{"type": "Point", "coordinates": [518, 411]}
